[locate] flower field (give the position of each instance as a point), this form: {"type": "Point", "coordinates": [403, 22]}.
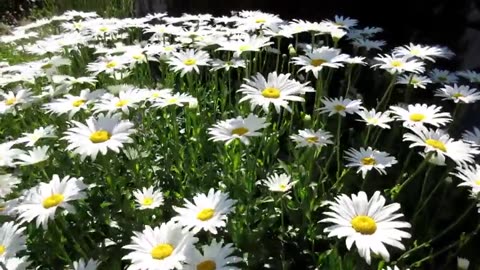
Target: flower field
{"type": "Point", "coordinates": [234, 142]}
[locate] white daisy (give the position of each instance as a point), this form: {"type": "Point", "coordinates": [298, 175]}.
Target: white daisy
{"type": "Point", "coordinates": [161, 248]}
{"type": "Point", "coordinates": [340, 106]}
{"type": "Point", "coordinates": [470, 176]}
{"type": "Point", "coordinates": [470, 75]}
{"type": "Point", "coordinates": [207, 212]}
{"type": "Point", "coordinates": [21, 98]}
{"type": "Point", "coordinates": [368, 159]}
{"type": "Point", "coordinates": [370, 224]}
{"type": "Point", "coordinates": [215, 256]}
{"type": "Point", "coordinates": [34, 156]}
{"type": "Point", "coordinates": [399, 64]}
{"type": "Point", "coordinates": [12, 240]}
{"type": "Point", "coordinates": [440, 143]}
{"type": "Point", "coordinates": [7, 183]}
{"type": "Point", "coordinates": [276, 90]}
{"type": "Point", "coordinates": [415, 80]}
{"type": "Point", "coordinates": [42, 201]}
{"type": "Point", "coordinates": [442, 76]}
{"type": "Point", "coordinates": [373, 118]}
{"type": "Point", "coordinates": [234, 63]}
{"type": "Point", "coordinates": [39, 133]}
{"type": "Point", "coordinates": [253, 20]}
{"type": "Point", "coordinates": [187, 61]}
{"type": "Point", "coordinates": [108, 65]}
{"type": "Point", "coordinates": [462, 93]}
{"type": "Point", "coordinates": [98, 135]}
{"type": "Point", "coordinates": [237, 128]}
{"type": "Point", "coordinates": [125, 101]}
{"type": "Point", "coordinates": [177, 99]}
{"type": "Point", "coordinates": [472, 136]}
{"type": "Point", "coordinates": [148, 198]}
{"type": "Point", "coordinates": [421, 114]}
{"type": "Point", "coordinates": [420, 51]}
{"type": "Point", "coordinates": [279, 183]}
{"type": "Point", "coordinates": [317, 59]}
{"type": "Point", "coordinates": [71, 104]}
{"type": "Point", "coordinates": [16, 263]}
{"type": "Point", "coordinates": [309, 137]}
{"type": "Point", "coordinates": [245, 44]}
{"type": "Point", "coordinates": [85, 265]}
{"type": "Point", "coordinates": [8, 154]}
{"type": "Point", "coordinates": [368, 44]}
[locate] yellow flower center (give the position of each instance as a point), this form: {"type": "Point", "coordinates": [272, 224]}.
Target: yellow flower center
{"type": "Point", "coordinates": [103, 29]}
{"type": "Point", "coordinates": [364, 225]}
{"type": "Point", "coordinates": [417, 117]}
{"type": "Point", "coordinates": [397, 63]}
{"type": "Point", "coordinates": [312, 139]}
{"type": "Point", "coordinates": [271, 92]}
{"type": "Point", "coordinates": [415, 51]}
{"type": "Point", "coordinates": [339, 108]}
{"type": "Point", "coordinates": [100, 136]}
{"type": "Point", "coordinates": [147, 201]}
{"type": "Point", "coordinates": [477, 182]}
{"type": "Point", "coordinates": [10, 101]}
{"type": "Point", "coordinates": [206, 214]}
{"type": "Point", "coordinates": [121, 103]}
{"type": "Point", "coordinates": [436, 144]}
{"type": "Point", "coordinates": [207, 265]}
{"type": "Point", "coordinates": [137, 56]}
{"type": "Point", "coordinates": [458, 95]}
{"type": "Point", "coordinates": [260, 20]}
{"type": "Point", "coordinates": [190, 62]}
{"type": "Point", "coordinates": [3, 248]}
{"type": "Point", "coordinates": [244, 47]}
{"type": "Point", "coordinates": [52, 201]}
{"type": "Point", "coordinates": [161, 251]}
{"type": "Point", "coordinates": [282, 186]}
{"type": "Point", "coordinates": [47, 66]}
{"type": "Point", "coordinates": [442, 78]}
{"type": "Point", "coordinates": [368, 161]}
{"type": "Point", "coordinates": [317, 62]}
{"type": "Point", "coordinates": [78, 102]}
{"type": "Point", "coordinates": [372, 120]}
{"type": "Point", "coordinates": [112, 64]}
{"type": "Point", "coordinates": [239, 131]}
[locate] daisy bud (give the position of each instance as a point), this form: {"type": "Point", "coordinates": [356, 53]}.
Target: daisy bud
{"type": "Point", "coordinates": [291, 50]}
{"type": "Point", "coordinates": [307, 118]}
{"type": "Point", "coordinates": [462, 263]}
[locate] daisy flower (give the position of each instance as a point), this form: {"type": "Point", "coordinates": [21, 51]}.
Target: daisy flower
{"type": "Point", "coordinates": [177, 99]}
{"type": "Point", "coordinates": [160, 248]}
{"type": "Point", "coordinates": [34, 156]}
{"type": "Point", "coordinates": [21, 97]}
{"type": "Point", "coordinates": [148, 198]}
{"type": "Point", "coordinates": [125, 101]}
{"type": "Point", "coordinates": [85, 265]}
{"type": "Point", "coordinates": [234, 63]}
{"type": "Point", "coordinates": [187, 61]}
{"type": "Point", "coordinates": [399, 64]}
{"type": "Point", "coordinates": [108, 65]}
{"type": "Point", "coordinates": [12, 240]}
{"type": "Point", "coordinates": [42, 201]}
{"type": "Point", "coordinates": [370, 224]}
{"type": "Point", "coordinates": [356, 60]}
{"type": "Point", "coordinates": [470, 75]}
{"type": "Point", "coordinates": [420, 51]}
{"type": "Point", "coordinates": [472, 136]}
{"type": "Point", "coordinates": [276, 90]}
{"type": "Point", "coordinates": [207, 212]}
{"type": "Point", "coordinates": [368, 44]}
{"type": "Point", "coordinates": [7, 183]}
{"type": "Point", "coordinates": [442, 76]}
{"type": "Point", "coordinates": [373, 118]}
{"type": "Point", "coordinates": [252, 20]}
{"type": "Point", "coordinates": [462, 93]}
{"type": "Point", "coordinates": [368, 159]}
{"type": "Point", "coordinates": [8, 154]}
{"type": "Point", "coordinates": [421, 114]}
{"type": "Point", "coordinates": [470, 176]}
{"type": "Point", "coordinates": [98, 135]}
{"type": "Point", "coordinates": [216, 256]}
{"type": "Point", "coordinates": [71, 104]}
{"type": "Point", "coordinates": [309, 137]}
{"type": "Point", "coordinates": [244, 44]}
{"type": "Point", "coordinates": [17, 263]}
{"type": "Point", "coordinates": [414, 80]}
{"type": "Point", "coordinates": [340, 106]}
{"type": "Point", "coordinates": [317, 59]}
{"type": "Point", "coordinates": [279, 183]}
{"type": "Point", "coordinates": [440, 143]}
{"type": "Point", "coordinates": [345, 22]}
{"type": "Point", "coordinates": [237, 128]}
{"type": "Point", "coordinates": [39, 133]}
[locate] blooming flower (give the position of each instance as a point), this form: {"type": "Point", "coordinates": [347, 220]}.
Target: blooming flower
{"type": "Point", "coordinates": [368, 159]}
{"type": "Point", "coordinates": [237, 128]}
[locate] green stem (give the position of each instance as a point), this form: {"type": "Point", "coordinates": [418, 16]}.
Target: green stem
{"type": "Point", "coordinates": [412, 176]}
{"type": "Point", "coordinates": [339, 130]}
{"type": "Point", "coordinates": [388, 93]}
